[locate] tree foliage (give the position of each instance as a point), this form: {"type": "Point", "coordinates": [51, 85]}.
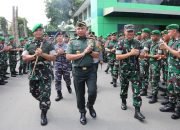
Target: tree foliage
{"type": "Point", "coordinates": [3, 26]}
{"type": "Point", "coordinates": [61, 10]}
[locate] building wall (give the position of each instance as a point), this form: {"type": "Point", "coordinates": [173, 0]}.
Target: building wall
{"type": "Point", "coordinates": [103, 25]}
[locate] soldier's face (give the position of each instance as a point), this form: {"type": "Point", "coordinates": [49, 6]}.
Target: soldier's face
{"type": "Point", "coordinates": [129, 34]}
{"type": "Point", "coordinates": [59, 38]}
{"type": "Point", "coordinates": [144, 35]}
{"type": "Point", "coordinates": [166, 37]}
{"type": "Point", "coordinates": [172, 33]}
{"type": "Point", "coordinates": [81, 31]}
{"type": "Point", "coordinates": [113, 37]}
{"type": "Point", "coordinates": [38, 33]}
{"type": "Point", "coordinates": [155, 37]}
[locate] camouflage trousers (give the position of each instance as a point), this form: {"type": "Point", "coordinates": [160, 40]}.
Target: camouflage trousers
{"type": "Point", "coordinates": [154, 77]}
{"type": "Point", "coordinates": [41, 90]}
{"type": "Point", "coordinates": [1, 72]}
{"type": "Point", "coordinates": [22, 66]}
{"type": "Point", "coordinates": [164, 68]}
{"type": "Point", "coordinates": [144, 73]}
{"type": "Point", "coordinates": [127, 76]}
{"type": "Point", "coordinates": [115, 71]}
{"type": "Point", "coordinates": [59, 73]}
{"type": "Point", "coordinates": [12, 63]}
{"type": "Point", "coordinates": [174, 89]}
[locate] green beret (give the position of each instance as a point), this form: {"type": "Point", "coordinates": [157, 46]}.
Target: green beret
{"type": "Point", "coordinates": [11, 38]}
{"type": "Point", "coordinates": [146, 30]}
{"type": "Point", "coordinates": [164, 32]}
{"type": "Point", "coordinates": [172, 26]}
{"type": "Point", "coordinates": [156, 32]}
{"type": "Point", "coordinates": [138, 33]}
{"type": "Point", "coordinates": [2, 38]}
{"type": "Point", "coordinates": [81, 24]}
{"type": "Point", "coordinates": [36, 27]}
{"type": "Point", "coordinates": [114, 33]}
{"type": "Point", "coordinates": [21, 39]}
{"type": "Point", "coordinates": [45, 34]}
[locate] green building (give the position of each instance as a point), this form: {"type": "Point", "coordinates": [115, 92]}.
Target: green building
{"type": "Point", "coordinates": [105, 16]}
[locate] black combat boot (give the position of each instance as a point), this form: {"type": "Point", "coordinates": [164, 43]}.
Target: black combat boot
{"type": "Point", "coordinates": [143, 92]}
{"type": "Point", "coordinates": [168, 108]}
{"type": "Point", "coordinates": [69, 89]}
{"type": "Point", "coordinates": [13, 75]}
{"type": "Point", "coordinates": [59, 96]}
{"type": "Point", "coordinates": [153, 99]}
{"type": "Point", "coordinates": [123, 105]}
{"type": "Point", "coordinates": [20, 72]}
{"type": "Point", "coordinates": [2, 82]}
{"type": "Point", "coordinates": [138, 115]}
{"type": "Point", "coordinates": [24, 71]}
{"type": "Point", "coordinates": [114, 83]}
{"type": "Point", "coordinates": [92, 112]}
{"type": "Point", "coordinates": [83, 120]}
{"type": "Point", "coordinates": [44, 120]}
{"type": "Point", "coordinates": [176, 115]}
{"type": "Point", "coordinates": [166, 101]}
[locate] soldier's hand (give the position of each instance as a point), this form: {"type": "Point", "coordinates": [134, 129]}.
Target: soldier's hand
{"type": "Point", "coordinates": [38, 52]}
{"type": "Point", "coordinates": [60, 51]}
{"type": "Point", "coordinates": [88, 50]}
{"type": "Point", "coordinates": [134, 52]}
{"type": "Point", "coordinates": [163, 46]}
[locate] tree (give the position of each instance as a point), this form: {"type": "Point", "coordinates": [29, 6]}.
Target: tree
{"type": "Point", "coordinates": [61, 10]}
{"type": "Point", "coordinates": [3, 26]}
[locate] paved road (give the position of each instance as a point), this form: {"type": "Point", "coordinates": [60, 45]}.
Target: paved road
{"type": "Point", "coordinates": [19, 111]}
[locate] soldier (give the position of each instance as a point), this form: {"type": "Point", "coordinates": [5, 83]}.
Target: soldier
{"type": "Point", "coordinates": [154, 59]}
{"type": "Point", "coordinates": [110, 49]}
{"type": "Point", "coordinates": [144, 63]}
{"type": "Point", "coordinates": [12, 56]}
{"type": "Point", "coordinates": [40, 53]}
{"type": "Point", "coordinates": [2, 50]}
{"type": "Point", "coordinates": [173, 88]}
{"type": "Point", "coordinates": [138, 36]}
{"type": "Point", "coordinates": [164, 67]}
{"type": "Point", "coordinates": [22, 66]}
{"type": "Point", "coordinates": [62, 66]}
{"type": "Point", "coordinates": [81, 51]}
{"type": "Point", "coordinates": [106, 54]}
{"type": "Point", "coordinates": [127, 52]}
{"type": "Point", "coordinates": [5, 58]}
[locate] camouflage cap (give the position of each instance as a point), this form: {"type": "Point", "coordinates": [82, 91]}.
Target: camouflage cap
{"type": "Point", "coordinates": [172, 26]}
{"type": "Point", "coordinates": [129, 27]}
{"type": "Point", "coordinates": [81, 24]}
{"type": "Point", "coordinates": [36, 27]}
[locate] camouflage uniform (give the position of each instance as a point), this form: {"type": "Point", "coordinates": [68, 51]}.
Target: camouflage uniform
{"type": "Point", "coordinates": [129, 71]}
{"type": "Point", "coordinates": [13, 58]}
{"type": "Point", "coordinates": [1, 63]}
{"type": "Point", "coordinates": [23, 64]}
{"type": "Point", "coordinates": [154, 68]}
{"type": "Point", "coordinates": [112, 58]}
{"type": "Point", "coordinates": [62, 68]}
{"type": "Point", "coordinates": [144, 66]}
{"type": "Point", "coordinates": [174, 75]}
{"type": "Point", "coordinates": [40, 81]}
